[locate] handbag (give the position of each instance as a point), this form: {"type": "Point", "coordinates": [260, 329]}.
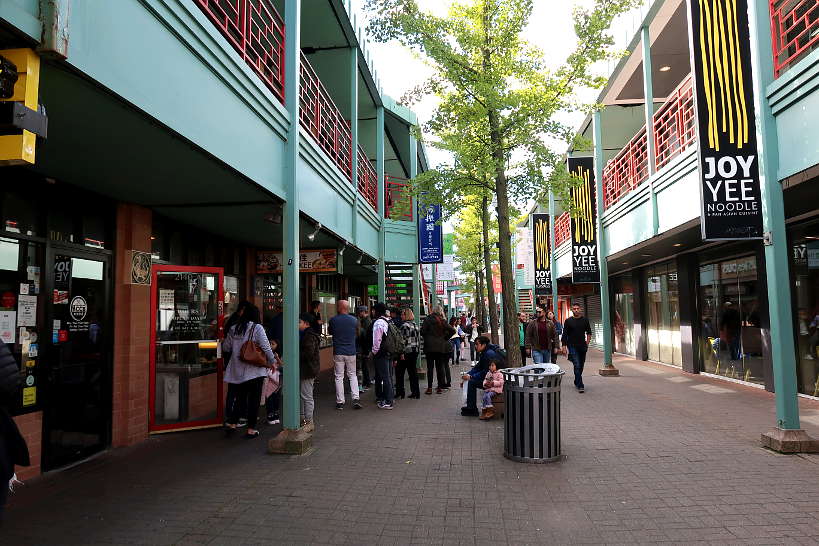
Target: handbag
{"type": "Point", "coordinates": [251, 353]}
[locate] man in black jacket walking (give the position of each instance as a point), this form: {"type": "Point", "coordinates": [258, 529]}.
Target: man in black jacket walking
{"type": "Point", "coordinates": [576, 336]}
{"type": "Point", "coordinates": [13, 449]}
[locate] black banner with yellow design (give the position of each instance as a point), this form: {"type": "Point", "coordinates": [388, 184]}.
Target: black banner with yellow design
{"type": "Point", "coordinates": [541, 245]}
{"type": "Point", "coordinates": [585, 268]}
{"type": "Point", "coordinates": [724, 96]}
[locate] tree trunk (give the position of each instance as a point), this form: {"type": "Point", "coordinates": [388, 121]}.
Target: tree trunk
{"type": "Point", "coordinates": [487, 259]}
{"type": "Point", "coordinates": [510, 327]}
{"type": "Point", "coordinates": [479, 309]}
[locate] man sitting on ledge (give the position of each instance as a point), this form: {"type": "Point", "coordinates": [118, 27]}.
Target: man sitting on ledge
{"type": "Point", "coordinates": [474, 377]}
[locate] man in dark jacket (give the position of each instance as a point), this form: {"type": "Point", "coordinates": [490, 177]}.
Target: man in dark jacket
{"type": "Point", "coordinates": [309, 365]}
{"type": "Point", "coordinates": [13, 449]}
{"type": "Point", "coordinates": [576, 336]}
{"type": "Point", "coordinates": [474, 377]}
{"type": "Point", "coordinates": [541, 338]}
{"type": "Point", "coordinates": [364, 346]}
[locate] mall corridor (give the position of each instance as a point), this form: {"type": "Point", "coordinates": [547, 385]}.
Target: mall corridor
{"type": "Point", "coordinates": [650, 456]}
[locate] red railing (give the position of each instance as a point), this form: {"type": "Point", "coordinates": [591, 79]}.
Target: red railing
{"type": "Point", "coordinates": [322, 119]}
{"type": "Point", "coordinates": [626, 171]}
{"type": "Point", "coordinates": [398, 203]}
{"type": "Point", "coordinates": [563, 229]}
{"type": "Point", "coordinates": [367, 179]}
{"type": "Point", "coordinates": [675, 124]}
{"type": "Point", "coordinates": [256, 31]}
{"type": "Point", "coordinates": [794, 31]}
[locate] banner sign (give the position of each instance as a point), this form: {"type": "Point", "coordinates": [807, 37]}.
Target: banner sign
{"type": "Point", "coordinates": [430, 235]}
{"type": "Point", "coordinates": [446, 270]}
{"type": "Point", "coordinates": [310, 261]}
{"type": "Point", "coordinates": [585, 267]}
{"type": "Point", "coordinates": [726, 120]}
{"type": "Point", "coordinates": [542, 252]}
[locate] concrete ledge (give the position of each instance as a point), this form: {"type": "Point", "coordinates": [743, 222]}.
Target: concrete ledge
{"type": "Point", "coordinates": [291, 442]}
{"type": "Point", "coordinates": [789, 441]}
{"type": "Point", "coordinates": [609, 371]}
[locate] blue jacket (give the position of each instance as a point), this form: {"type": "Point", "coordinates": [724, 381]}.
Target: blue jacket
{"type": "Point", "coordinates": [479, 371]}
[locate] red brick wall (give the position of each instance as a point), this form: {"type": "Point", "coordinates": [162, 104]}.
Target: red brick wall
{"type": "Point", "coordinates": [132, 323]}
{"type": "Point", "coordinates": [31, 427]}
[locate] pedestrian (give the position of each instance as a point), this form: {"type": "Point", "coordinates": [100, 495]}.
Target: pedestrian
{"type": "Point", "coordinates": [381, 358]}
{"type": "Point", "coordinates": [309, 365]}
{"type": "Point", "coordinates": [523, 319]}
{"type": "Point", "coordinates": [409, 360]}
{"type": "Point", "coordinates": [232, 397]}
{"type": "Point", "coordinates": [13, 448]}
{"type": "Point", "coordinates": [271, 390]}
{"type": "Point", "coordinates": [492, 385]}
{"type": "Point", "coordinates": [364, 346]}
{"type": "Point", "coordinates": [315, 315]}
{"type": "Point", "coordinates": [472, 331]}
{"type": "Point", "coordinates": [436, 333]}
{"type": "Point", "coordinates": [541, 338]}
{"type": "Point", "coordinates": [455, 340]}
{"type": "Point", "coordinates": [343, 328]}
{"type": "Point", "coordinates": [487, 352]}
{"type": "Point", "coordinates": [576, 336]}
{"type": "Point", "coordinates": [559, 327]}
{"type": "Point", "coordinates": [247, 377]}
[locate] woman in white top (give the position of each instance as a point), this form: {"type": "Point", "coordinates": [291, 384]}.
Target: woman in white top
{"type": "Point", "coordinates": [248, 378]}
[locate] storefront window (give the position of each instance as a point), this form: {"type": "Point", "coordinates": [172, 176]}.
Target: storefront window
{"type": "Point", "coordinates": [805, 270]}
{"type": "Point", "coordinates": [663, 317]}
{"type": "Point", "coordinates": [731, 335]}
{"type": "Point", "coordinates": [623, 316]}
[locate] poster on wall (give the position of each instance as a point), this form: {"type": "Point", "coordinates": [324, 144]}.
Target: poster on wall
{"type": "Point", "coordinates": [585, 268]}
{"type": "Point", "coordinates": [8, 331]}
{"type": "Point", "coordinates": [542, 254]}
{"type": "Point", "coordinates": [726, 121]}
{"type": "Point", "coordinates": [27, 311]}
{"type": "Point", "coordinates": [430, 235]}
{"type": "Point", "coordinates": [310, 261]}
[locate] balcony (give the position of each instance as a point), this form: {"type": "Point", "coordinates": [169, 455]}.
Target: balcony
{"type": "Point", "coordinates": [795, 31]}
{"type": "Point", "coordinates": [398, 204]}
{"type": "Point", "coordinates": [563, 229]}
{"type": "Point", "coordinates": [674, 125]}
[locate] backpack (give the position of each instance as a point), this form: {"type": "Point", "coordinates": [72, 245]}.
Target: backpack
{"type": "Point", "coordinates": [393, 342]}
{"type": "Point", "coordinates": [501, 355]}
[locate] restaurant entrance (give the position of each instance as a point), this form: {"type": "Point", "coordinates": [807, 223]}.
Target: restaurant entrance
{"type": "Point", "coordinates": [187, 309]}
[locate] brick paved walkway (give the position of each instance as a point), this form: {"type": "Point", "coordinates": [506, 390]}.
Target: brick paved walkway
{"type": "Point", "coordinates": [651, 456]}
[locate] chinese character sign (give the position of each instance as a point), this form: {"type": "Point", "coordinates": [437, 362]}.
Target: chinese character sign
{"type": "Point", "coordinates": [430, 235]}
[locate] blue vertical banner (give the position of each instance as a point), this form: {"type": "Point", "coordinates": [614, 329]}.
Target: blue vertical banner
{"type": "Point", "coordinates": [430, 235]}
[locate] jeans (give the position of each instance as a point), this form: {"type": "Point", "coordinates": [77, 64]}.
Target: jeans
{"type": "Point", "coordinates": [408, 363]}
{"type": "Point", "coordinates": [383, 378]}
{"type": "Point", "coordinates": [487, 399]}
{"type": "Point", "coordinates": [437, 362]}
{"type": "Point", "coordinates": [345, 363]}
{"type": "Point", "coordinates": [307, 402]}
{"type": "Point", "coordinates": [473, 352]}
{"type": "Point", "coordinates": [472, 387]}
{"type": "Point", "coordinates": [364, 369]}
{"type": "Point", "coordinates": [577, 356]}
{"type": "Point", "coordinates": [248, 395]}
{"type": "Point", "coordinates": [523, 355]}
{"type": "Point", "coordinates": [541, 356]}
{"type": "Point", "coordinates": [456, 349]}
{"type": "Point", "coordinates": [232, 403]}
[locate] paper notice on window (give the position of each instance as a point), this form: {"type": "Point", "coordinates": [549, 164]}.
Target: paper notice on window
{"type": "Point", "coordinates": [8, 330]}
{"type": "Point", "coordinates": [166, 299]}
{"type": "Point", "coordinates": [27, 311]}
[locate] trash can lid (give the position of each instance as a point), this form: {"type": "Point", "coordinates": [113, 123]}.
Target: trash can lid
{"type": "Point", "coordinates": [536, 370]}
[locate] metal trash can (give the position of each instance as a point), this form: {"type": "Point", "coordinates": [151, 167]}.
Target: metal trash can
{"type": "Point", "coordinates": [532, 417]}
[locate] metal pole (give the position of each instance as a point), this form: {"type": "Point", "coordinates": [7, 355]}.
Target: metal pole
{"type": "Point", "coordinates": [354, 131]}
{"type": "Point", "coordinates": [648, 92]}
{"type": "Point", "coordinates": [773, 213]}
{"type": "Point", "coordinates": [291, 412]}
{"type": "Point", "coordinates": [417, 290]}
{"type": "Point", "coordinates": [379, 168]}
{"type": "Point", "coordinates": [608, 368]}
{"type": "Point", "coordinates": [552, 261]}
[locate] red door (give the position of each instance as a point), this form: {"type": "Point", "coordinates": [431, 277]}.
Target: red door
{"type": "Point", "coordinates": [187, 320]}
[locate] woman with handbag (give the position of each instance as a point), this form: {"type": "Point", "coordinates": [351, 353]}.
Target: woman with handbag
{"type": "Point", "coordinates": [250, 359]}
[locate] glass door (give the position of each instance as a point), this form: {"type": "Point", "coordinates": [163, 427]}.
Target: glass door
{"type": "Point", "coordinates": [77, 408]}
{"type": "Point", "coordinates": [187, 307]}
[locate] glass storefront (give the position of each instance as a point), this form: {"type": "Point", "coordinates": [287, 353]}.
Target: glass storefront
{"type": "Point", "coordinates": [731, 335]}
{"type": "Point", "coordinates": [805, 272]}
{"type": "Point", "coordinates": [622, 322]}
{"type": "Point", "coordinates": [663, 315]}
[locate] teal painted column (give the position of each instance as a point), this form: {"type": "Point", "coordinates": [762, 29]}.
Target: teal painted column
{"type": "Point", "coordinates": [354, 131]}
{"type": "Point", "coordinates": [773, 213]}
{"type": "Point", "coordinates": [379, 172]}
{"type": "Point", "coordinates": [648, 93]}
{"type": "Point", "coordinates": [417, 289]}
{"type": "Point", "coordinates": [605, 300]}
{"type": "Point", "coordinates": [291, 417]}
{"type": "Point", "coordinates": [552, 260]}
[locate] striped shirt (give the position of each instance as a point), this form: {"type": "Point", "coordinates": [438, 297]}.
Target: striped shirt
{"type": "Point", "coordinates": [412, 337]}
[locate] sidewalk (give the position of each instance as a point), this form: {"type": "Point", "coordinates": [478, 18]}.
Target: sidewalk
{"type": "Point", "coordinates": [651, 456]}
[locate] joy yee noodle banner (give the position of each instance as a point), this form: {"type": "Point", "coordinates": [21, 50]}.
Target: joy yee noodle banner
{"type": "Point", "coordinates": [542, 254]}
{"type": "Point", "coordinates": [585, 268]}
{"type": "Point", "coordinates": [726, 120]}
